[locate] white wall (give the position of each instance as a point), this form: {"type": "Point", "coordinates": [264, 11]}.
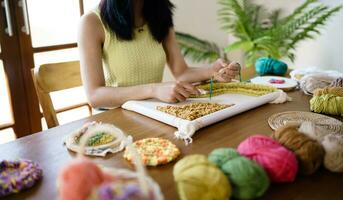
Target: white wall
{"type": "Point", "coordinates": [199, 17]}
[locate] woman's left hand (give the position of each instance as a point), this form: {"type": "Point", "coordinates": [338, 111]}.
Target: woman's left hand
{"type": "Point", "coordinates": [224, 71]}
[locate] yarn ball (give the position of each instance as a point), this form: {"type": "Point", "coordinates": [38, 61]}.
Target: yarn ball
{"type": "Point", "coordinates": [198, 179]}
{"type": "Point", "coordinates": [333, 145]}
{"type": "Point", "coordinates": [248, 179]}
{"type": "Point", "coordinates": [328, 104]}
{"type": "Point", "coordinates": [337, 83]}
{"type": "Point", "coordinates": [77, 180]}
{"type": "Point", "coordinates": [280, 164]}
{"type": "Point", "coordinates": [309, 152]}
{"type": "Point", "coordinates": [266, 65]}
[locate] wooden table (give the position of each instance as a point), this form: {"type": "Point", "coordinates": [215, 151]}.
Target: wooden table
{"type": "Point", "coordinates": [46, 148]}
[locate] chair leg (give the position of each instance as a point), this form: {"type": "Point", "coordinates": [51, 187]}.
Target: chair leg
{"type": "Point", "coordinates": [90, 110]}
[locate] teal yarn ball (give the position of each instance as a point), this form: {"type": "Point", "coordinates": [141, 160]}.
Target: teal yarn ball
{"type": "Point", "coordinates": [272, 66]}
{"type": "Point", "coordinates": [249, 180]}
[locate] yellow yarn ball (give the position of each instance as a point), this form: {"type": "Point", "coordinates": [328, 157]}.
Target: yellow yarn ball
{"type": "Point", "coordinates": [198, 179]}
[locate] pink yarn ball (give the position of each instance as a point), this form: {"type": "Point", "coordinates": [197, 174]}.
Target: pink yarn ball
{"type": "Point", "coordinates": [280, 164]}
{"type": "Point", "coordinates": [77, 180]}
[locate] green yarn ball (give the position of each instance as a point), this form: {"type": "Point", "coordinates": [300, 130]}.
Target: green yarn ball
{"type": "Point", "coordinates": [249, 180]}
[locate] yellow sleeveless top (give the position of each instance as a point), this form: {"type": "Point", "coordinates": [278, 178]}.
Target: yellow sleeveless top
{"type": "Point", "coordinates": [135, 62]}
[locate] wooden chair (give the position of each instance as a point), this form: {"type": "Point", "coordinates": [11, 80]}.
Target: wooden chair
{"type": "Point", "coordinates": [53, 77]}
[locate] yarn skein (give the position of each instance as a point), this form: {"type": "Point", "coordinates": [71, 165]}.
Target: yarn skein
{"type": "Point", "coordinates": [198, 179]}
{"type": "Point", "coordinates": [314, 132]}
{"type": "Point", "coordinates": [310, 83]}
{"type": "Point", "coordinates": [327, 104]}
{"type": "Point", "coordinates": [280, 164]}
{"type": "Point", "coordinates": [309, 152]}
{"type": "Point", "coordinates": [332, 144]}
{"type": "Point", "coordinates": [249, 180]}
{"type": "Point", "coordinates": [270, 66]}
{"type": "Point", "coordinates": [337, 83]}
{"type": "Point", "coordinates": [337, 91]}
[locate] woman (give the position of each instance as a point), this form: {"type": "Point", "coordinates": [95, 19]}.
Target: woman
{"type": "Point", "coordinates": [135, 39]}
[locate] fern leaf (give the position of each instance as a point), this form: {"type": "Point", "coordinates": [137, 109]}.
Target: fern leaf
{"type": "Point", "coordinates": [196, 49]}
{"type": "Point", "coordinates": [311, 29]}
{"type": "Point", "coordinates": [245, 45]}
{"type": "Point", "coordinates": [300, 10]}
{"type": "Point", "coordinates": [284, 32]}
{"type": "Point", "coordinates": [234, 19]}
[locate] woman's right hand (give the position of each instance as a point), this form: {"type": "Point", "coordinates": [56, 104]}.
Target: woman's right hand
{"type": "Point", "coordinates": [173, 92]}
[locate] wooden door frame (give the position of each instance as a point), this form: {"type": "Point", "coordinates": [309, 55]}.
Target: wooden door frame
{"type": "Point", "coordinates": [26, 53]}
{"type": "Point", "coordinates": [25, 104]}
{"type": "Point", "coordinates": [13, 70]}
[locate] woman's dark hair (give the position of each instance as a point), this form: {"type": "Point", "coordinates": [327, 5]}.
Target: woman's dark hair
{"type": "Point", "coordinates": [118, 16]}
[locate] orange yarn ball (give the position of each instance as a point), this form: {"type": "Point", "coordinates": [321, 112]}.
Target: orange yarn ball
{"type": "Point", "coordinates": [309, 152]}
{"type": "Point", "coordinates": [78, 178]}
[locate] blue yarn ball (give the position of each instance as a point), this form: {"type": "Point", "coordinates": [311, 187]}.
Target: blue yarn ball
{"type": "Point", "coordinates": [270, 66]}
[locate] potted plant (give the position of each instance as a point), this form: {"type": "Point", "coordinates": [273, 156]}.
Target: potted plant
{"type": "Point", "coordinates": [259, 33]}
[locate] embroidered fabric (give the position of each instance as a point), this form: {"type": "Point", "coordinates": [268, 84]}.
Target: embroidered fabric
{"type": "Point", "coordinates": [112, 144]}
{"type": "Point", "coordinates": [243, 101]}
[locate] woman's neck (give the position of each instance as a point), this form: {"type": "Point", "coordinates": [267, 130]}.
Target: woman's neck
{"type": "Point", "coordinates": [138, 12]}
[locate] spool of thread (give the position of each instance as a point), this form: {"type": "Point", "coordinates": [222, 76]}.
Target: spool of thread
{"type": "Point", "coordinates": [280, 164]}
{"type": "Point", "coordinates": [270, 66]}
{"type": "Point", "coordinates": [198, 179]}
{"type": "Point", "coordinates": [248, 179]}
{"type": "Point", "coordinates": [309, 152]}
{"type": "Point", "coordinates": [337, 83]}
{"type": "Point", "coordinates": [328, 104]}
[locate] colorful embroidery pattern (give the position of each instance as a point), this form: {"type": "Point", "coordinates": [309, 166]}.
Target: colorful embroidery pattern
{"type": "Point", "coordinates": [154, 151]}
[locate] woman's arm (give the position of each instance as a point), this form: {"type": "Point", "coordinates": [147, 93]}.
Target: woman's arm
{"type": "Point", "coordinates": [90, 40]}
{"type": "Point", "coordinates": [182, 72]}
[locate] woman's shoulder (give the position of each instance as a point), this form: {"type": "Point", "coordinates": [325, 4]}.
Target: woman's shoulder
{"type": "Point", "coordinates": [91, 22]}
{"type": "Point", "coordinates": [91, 18]}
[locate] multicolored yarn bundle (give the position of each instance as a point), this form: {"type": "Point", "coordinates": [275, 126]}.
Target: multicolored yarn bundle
{"type": "Point", "coordinates": [266, 65]}
{"type": "Point", "coordinates": [198, 179]}
{"type": "Point", "coordinates": [18, 175]}
{"type": "Point", "coordinates": [120, 190]}
{"type": "Point", "coordinates": [328, 101]}
{"type": "Point", "coordinates": [280, 164]}
{"type": "Point", "coordinates": [248, 179]}
{"type": "Point", "coordinates": [309, 152]}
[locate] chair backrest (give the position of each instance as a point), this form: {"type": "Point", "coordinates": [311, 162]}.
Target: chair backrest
{"type": "Point", "coordinates": [54, 77]}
